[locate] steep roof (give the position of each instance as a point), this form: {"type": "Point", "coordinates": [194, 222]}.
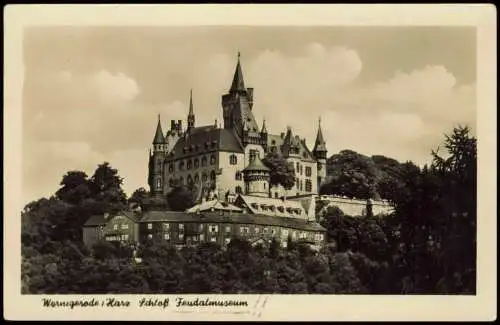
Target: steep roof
{"type": "Point", "coordinates": [95, 220]}
{"type": "Point", "coordinates": [159, 138]}
{"type": "Point", "coordinates": [256, 165]}
{"type": "Point", "coordinates": [264, 129]}
{"type": "Point", "coordinates": [235, 218]}
{"type": "Point", "coordinates": [273, 207]}
{"type": "Point", "coordinates": [213, 204]}
{"type": "Point", "coordinates": [99, 220]}
{"type": "Point", "coordinates": [205, 139]}
{"type": "Point", "coordinates": [238, 84]}
{"type": "Point", "coordinates": [191, 111]}
{"type": "Point", "coordinates": [285, 142]}
{"type": "Point", "coordinates": [320, 144]}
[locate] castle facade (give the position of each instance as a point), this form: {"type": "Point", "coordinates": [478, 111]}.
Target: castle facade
{"type": "Point", "coordinates": [227, 159]}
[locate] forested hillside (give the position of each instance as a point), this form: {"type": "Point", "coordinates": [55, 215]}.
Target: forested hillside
{"type": "Point", "coordinates": [427, 246]}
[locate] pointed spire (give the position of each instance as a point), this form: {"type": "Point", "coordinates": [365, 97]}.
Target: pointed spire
{"type": "Point", "coordinates": [238, 84]}
{"type": "Point", "coordinates": [159, 138]}
{"type": "Point", "coordinates": [319, 145]}
{"type": "Point", "coordinates": [264, 129]}
{"type": "Point", "coordinates": [190, 118]}
{"type": "Point", "coordinates": [191, 112]}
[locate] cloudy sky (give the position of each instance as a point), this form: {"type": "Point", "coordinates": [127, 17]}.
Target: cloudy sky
{"type": "Point", "coordinates": [93, 94]}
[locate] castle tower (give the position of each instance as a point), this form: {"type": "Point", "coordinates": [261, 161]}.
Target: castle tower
{"type": "Point", "coordinates": [237, 105]}
{"type": "Point", "coordinates": [156, 162]}
{"type": "Point", "coordinates": [256, 177]}
{"type": "Point", "coordinates": [190, 117]}
{"type": "Point", "coordinates": [319, 153]}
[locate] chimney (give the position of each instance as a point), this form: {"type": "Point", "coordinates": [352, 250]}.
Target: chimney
{"type": "Point", "coordinates": [172, 125]}
{"type": "Point", "coordinates": [282, 135]}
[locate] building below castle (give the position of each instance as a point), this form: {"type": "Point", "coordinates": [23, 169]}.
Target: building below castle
{"type": "Point", "coordinates": [255, 219]}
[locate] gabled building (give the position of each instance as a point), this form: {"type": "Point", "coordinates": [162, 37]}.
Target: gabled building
{"type": "Point", "coordinates": [119, 227]}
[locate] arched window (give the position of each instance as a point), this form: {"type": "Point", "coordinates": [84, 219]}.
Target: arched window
{"type": "Point", "coordinates": [196, 178]}
{"type": "Point", "coordinates": [212, 175]}
{"type": "Point", "coordinates": [196, 163]}
{"type": "Point", "coordinates": [181, 165]}
{"type": "Point", "coordinates": [212, 159]}
{"type": "Point", "coordinates": [298, 167]}
{"type": "Point", "coordinates": [320, 166]}
{"type": "Point", "coordinates": [300, 183]}
{"type": "Point", "coordinates": [238, 190]}
{"type": "Point", "coordinates": [189, 164]}
{"type": "Point", "coordinates": [238, 176]}
{"type": "Point", "coordinates": [204, 161]}
{"type": "Point", "coordinates": [233, 160]}
{"type": "Point", "coordinates": [158, 183]}
{"type": "Point", "coordinates": [204, 177]}
{"type": "Point", "coordinates": [189, 180]}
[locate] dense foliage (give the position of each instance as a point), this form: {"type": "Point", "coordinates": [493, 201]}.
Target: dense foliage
{"type": "Point", "coordinates": [358, 176]}
{"type": "Point", "coordinates": [427, 246]}
{"type": "Point", "coordinates": [282, 173]}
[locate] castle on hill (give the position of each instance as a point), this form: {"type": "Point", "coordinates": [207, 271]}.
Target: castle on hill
{"type": "Point", "coordinates": [227, 159]}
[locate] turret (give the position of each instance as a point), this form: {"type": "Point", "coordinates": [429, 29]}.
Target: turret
{"type": "Point", "coordinates": [156, 161]}
{"type": "Point", "coordinates": [237, 106]}
{"type": "Point", "coordinates": [256, 177]}
{"type": "Point", "coordinates": [320, 153]}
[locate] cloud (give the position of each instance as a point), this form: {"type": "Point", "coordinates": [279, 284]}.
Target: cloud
{"type": "Point", "coordinates": [46, 163]}
{"type": "Point", "coordinates": [77, 119]}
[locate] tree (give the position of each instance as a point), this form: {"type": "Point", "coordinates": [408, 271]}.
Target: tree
{"type": "Point", "coordinates": [75, 187]}
{"type": "Point", "coordinates": [351, 174]}
{"type": "Point", "coordinates": [181, 198]}
{"type": "Point", "coordinates": [139, 196]}
{"type": "Point", "coordinates": [282, 173]}
{"type": "Point", "coordinates": [438, 221]}
{"type": "Point", "coordinates": [106, 185]}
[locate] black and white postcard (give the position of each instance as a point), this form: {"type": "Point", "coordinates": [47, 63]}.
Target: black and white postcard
{"type": "Point", "coordinates": [250, 162]}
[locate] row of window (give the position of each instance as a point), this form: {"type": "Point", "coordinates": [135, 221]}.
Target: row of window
{"type": "Point", "coordinates": [212, 229]}
{"type": "Point", "coordinates": [190, 164]}
{"type": "Point", "coordinates": [122, 226]}
{"type": "Point", "coordinates": [299, 169]}
{"type": "Point", "coordinates": [124, 237]}
{"type": "Point", "coordinates": [192, 180]}
{"type": "Point", "coordinates": [245, 230]}
{"type": "Point", "coordinates": [308, 185]}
